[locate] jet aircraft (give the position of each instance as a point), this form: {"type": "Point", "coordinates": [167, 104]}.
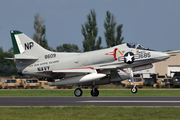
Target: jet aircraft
{"type": "Point", "coordinates": [93, 68]}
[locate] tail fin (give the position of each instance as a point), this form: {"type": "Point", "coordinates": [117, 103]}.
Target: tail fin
{"type": "Point", "coordinates": [24, 47]}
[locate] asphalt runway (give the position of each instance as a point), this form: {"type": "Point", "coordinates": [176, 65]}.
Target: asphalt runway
{"type": "Point", "coordinates": [87, 101]}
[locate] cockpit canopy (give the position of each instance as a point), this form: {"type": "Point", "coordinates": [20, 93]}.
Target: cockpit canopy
{"type": "Point", "coordinates": [136, 46]}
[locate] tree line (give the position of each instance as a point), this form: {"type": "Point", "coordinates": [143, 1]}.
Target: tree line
{"type": "Point", "coordinates": [89, 30]}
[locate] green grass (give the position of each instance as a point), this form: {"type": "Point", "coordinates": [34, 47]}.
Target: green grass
{"type": "Point", "coordinates": [86, 93]}
{"type": "Point", "coordinates": [89, 113]}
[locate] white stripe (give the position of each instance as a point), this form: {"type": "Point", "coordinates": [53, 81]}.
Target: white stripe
{"type": "Point", "coordinates": [131, 101]}
{"type": "Point", "coordinates": [21, 49]}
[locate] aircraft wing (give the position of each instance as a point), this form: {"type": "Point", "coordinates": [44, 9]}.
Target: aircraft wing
{"type": "Point", "coordinates": [76, 70]}
{"type": "Point", "coordinates": [83, 70]}
{"type": "Point", "coordinates": [106, 67]}
{"type": "Point", "coordinates": [86, 75]}
{"type": "Point", "coordinates": [72, 72]}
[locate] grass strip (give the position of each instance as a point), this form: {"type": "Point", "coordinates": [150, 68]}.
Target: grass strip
{"type": "Point", "coordinates": [86, 93]}
{"type": "Point", "coordinates": [89, 113]}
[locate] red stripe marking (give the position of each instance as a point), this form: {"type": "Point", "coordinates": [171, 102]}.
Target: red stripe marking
{"type": "Point", "coordinates": [121, 58]}
{"type": "Point", "coordinates": [110, 53]}
{"type": "Point", "coordinates": [136, 56]}
{"type": "Point", "coordinates": [114, 52]}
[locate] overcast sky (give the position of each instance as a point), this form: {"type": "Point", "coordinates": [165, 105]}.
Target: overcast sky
{"type": "Point", "coordinates": [153, 23]}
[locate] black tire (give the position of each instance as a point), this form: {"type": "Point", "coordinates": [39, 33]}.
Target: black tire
{"type": "Point", "coordinates": [134, 90]}
{"type": "Point", "coordinates": [78, 92]}
{"type": "Point", "coordinates": [96, 92]}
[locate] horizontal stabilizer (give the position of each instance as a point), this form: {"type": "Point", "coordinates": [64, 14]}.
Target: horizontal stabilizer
{"type": "Point", "coordinates": [21, 56]}
{"type": "Point", "coordinates": [9, 58]}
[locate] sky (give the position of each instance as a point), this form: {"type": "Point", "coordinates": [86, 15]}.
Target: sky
{"type": "Point", "coordinates": [155, 24]}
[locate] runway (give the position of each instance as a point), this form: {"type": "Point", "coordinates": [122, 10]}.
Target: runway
{"type": "Point", "coordinates": [94, 101]}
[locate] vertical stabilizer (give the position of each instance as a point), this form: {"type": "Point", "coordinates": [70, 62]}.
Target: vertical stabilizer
{"type": "Point", "coordinates": [25, 47]}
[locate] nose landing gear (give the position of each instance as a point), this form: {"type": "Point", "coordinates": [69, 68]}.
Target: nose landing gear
{"type": "Point", "coordinates": [134, 89]}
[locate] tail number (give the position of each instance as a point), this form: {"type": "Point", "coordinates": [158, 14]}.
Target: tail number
{"type": "Point", "coordinates": [28, 45]}
{"type": "Point", "coordinates": [48, 56]}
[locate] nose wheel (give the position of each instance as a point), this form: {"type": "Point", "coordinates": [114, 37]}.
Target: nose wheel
{"type": "Point", "coordinates": [134, 90]}
{"type": "Point", "coordinates": [78, 92]}
{"type": "Point", "coordinates": [94, 92]}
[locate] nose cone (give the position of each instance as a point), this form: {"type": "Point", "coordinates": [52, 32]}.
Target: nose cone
{"type": "Point", "coordinates": [164, 56]}
{"type": "Point", "coordinates": [160, 56]}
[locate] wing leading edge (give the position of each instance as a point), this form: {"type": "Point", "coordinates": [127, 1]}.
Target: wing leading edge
{"type": "Point", "coordinates": [76, 70]}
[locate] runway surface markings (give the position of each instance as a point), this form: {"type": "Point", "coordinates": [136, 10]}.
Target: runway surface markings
{"type": "Point", "coordinates": [132, 101]}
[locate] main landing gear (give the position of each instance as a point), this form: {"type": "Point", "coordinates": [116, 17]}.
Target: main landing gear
{"type": "Point", "coordinates": [94, 92]}
{"type": "Point", "coordinates": [78, 92]}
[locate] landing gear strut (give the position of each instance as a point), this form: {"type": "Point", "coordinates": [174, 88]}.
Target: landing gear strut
{"type": "Point", "coordinates": [94, 92]}
{"type": "Point", "coordinates": [134, 88]}
{"type": "Point", "coordinates": [78, 92]}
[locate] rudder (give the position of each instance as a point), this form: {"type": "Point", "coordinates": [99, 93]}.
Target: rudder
{"type": "Point", "coordinates": [16, 46]}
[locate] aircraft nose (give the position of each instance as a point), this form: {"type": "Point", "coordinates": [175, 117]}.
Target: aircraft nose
{"type": "Point", "coordinates": [163, 56]}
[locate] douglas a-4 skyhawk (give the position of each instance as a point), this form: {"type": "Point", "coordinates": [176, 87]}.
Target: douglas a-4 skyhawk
{"type": "Point", "coordinates": [82, 69]}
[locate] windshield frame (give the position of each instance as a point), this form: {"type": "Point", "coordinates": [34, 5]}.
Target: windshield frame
{"type": "Point", "coordinates": [34, 81]}
{"type": "Point", "coordinates": [7, 81]}
{"type": "Point", "coordinates": [28, 81]}
{"type": "Point", "coordinates": [149, 80]}
{"type": "Point", "coordinates": [13, 81]}
{"type": "Point", "coordinates": [165, 80]}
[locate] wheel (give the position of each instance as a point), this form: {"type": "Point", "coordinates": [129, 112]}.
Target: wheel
{"type": "Point", "coordinates": [78, 92]}
{"type": "Point", "coordinates": [95, 93]}
{"type": "Point", "coordinates": [134, 90]}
